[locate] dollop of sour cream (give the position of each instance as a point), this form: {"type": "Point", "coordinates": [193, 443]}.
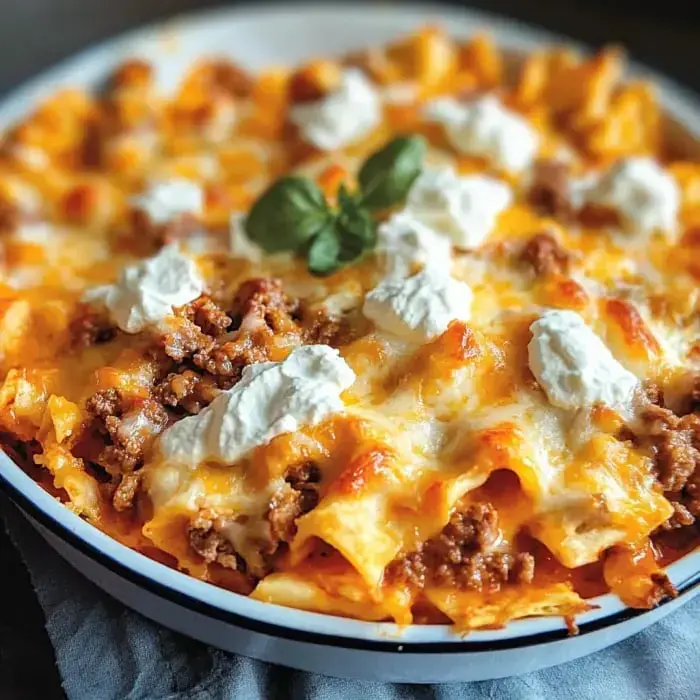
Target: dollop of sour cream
{"type": "Point", "coordinates": [573, 365]}
{"type": "Point", "coordinates": [341, 117]}
{"type": "Point", "coordinates": [644, 195]}
{"type": "Point", "coordinates": [404, 244]}
{"type": "Point", "coordinates": [271, 398]}
{"type": "Point", "coordinates": [145, 293]}
{"type": "Point", "coordinates": [486, 129]}
{"type": "Point", "coordinates": [165, 201]}
{"type": "Point", "coordinates": [464, 208]}
{"type": "Point", "coordinates": [420, 307]}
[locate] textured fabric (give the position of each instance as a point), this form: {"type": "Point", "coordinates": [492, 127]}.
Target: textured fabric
{"type": "Point", "coordinates": [105, 652]}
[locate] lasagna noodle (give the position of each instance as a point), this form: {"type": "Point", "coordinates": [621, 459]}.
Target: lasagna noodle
{"type": "Point", "coordinates": [474, 609]}
{"type": "Point", "coordinates": [334, 593]}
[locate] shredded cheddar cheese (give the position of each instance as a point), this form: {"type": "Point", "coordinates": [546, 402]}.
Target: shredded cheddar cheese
{"type": "Point", "coordinates": [443, 484]}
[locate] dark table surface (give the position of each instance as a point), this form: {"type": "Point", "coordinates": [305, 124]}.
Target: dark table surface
{"type": "Point", "coordinates": [36, 33]}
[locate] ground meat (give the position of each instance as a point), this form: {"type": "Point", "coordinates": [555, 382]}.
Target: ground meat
{"type": "Point", "coordinates": [188, 390]}
{"type": "Point", "coordinates": [676, 458]}
{"type": "Point", "coordinates": [204, 534]}
{"type": "Point", "coordinates": [185, 339]}
{"type": "Point", "coordinates": [674, 443]}
{"type": "Point", "coordinates": [90, 327]}
{"type": "Point", "coordinates": [104, 404]}
{"type": "Point", "coordinates": [141, 228]}
{"type": "Point", "coordinates": [487, 572]}
{"type": "Point", "coordinates": [298, 496]}
{"type": "Point", "coordinates": [681, 517]}
{"type": "Point", "coordinates": [264, 299]}
{"type": "Point", "coordinates": [545, 255]}
{"type": "Point", "coordinates": [226, 361]}
{"type": "Point", "coordinates": [549, 192]}
{"type": "Point", "coordinates": [126, 490]}
{"type": "Point", "coordinates": [460, 556]}
{"type": "Point", "coordinates": [321, 328]}
{"type": "Point", "coordinates": [129, 428]}
{"type": "Point", "coordinates": [204, 313]}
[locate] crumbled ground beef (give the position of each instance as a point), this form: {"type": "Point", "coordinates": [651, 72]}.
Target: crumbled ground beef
{"type": "Point", "coordinates": [322, 328]}
{"type": "Point", "coordinates": [674, 443]}
{"type": "Point", "coordinates": [264, 299]}
{"type": "Point", "coordinates": [90, 326]}
{"type": "Point", "coordinates": [676, 458]}
{"type": "Point", "coordinates": [460, 556]}
{"type": "Point", "coordinates": [204, 313]}
{"type": "Point", "coordinates": [184, 339]}
{"type": "Point", "coordinates": [298, 496]}
{"type": "Point", "coordinates": [681, 517]}
{"type": "Point", "coordinates": [187, 390]}
{"type": "Point", "coordinates": [544, 254]}
{"type": "Point", "coordinates": [227, 361]}
{"type": "Point", "coordinates": [204, 534]}
{"type": "Point", "coordinates": [126, 490]}
{"type": "Point", "coordinates": [104, 403]}
{"type": "Point", "coordinates": [141, 228]}
{"type": "Point", "coordinates": [129, 428]}
{"type": "Point", "coordinates": [549, 192]}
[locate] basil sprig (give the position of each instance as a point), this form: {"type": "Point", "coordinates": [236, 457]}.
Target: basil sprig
{"type": "Point", "coordinates": [387, 176]}
{"type": "Point", "coordinates": [293, 215]}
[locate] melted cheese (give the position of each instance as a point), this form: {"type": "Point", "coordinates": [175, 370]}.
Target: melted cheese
{"type": "Point", "coordinates": [455, 383]}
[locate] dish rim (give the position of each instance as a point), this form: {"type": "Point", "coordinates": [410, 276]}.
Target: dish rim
{"type": "Point", "coordinates": [86, 68]}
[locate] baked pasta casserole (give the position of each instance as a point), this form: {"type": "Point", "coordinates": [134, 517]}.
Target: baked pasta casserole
{"type": "Point", "coordinates": [408, 335]}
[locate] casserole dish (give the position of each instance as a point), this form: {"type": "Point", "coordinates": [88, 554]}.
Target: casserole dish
{"type": "Point", "coordinates": [336, 646]}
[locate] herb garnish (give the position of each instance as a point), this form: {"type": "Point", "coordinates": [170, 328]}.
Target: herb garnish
{"type": "Point", "coordinates": [293, 215]}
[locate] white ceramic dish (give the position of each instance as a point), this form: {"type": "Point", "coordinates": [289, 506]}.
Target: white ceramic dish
{"type": "Point", "coordinates": [310, 641]}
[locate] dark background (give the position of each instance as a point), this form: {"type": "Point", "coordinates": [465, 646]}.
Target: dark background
{"type": "Point", "coordinates": [34, 34]}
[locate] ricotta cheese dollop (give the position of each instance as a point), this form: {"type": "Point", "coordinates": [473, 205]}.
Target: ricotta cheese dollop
{"type": "Point", "coordinates": [573, 365]}
{"type": "Point", "coordinates": [644, 195]}
{"type": "Point", "coordinates": [145, 293]}
{"type": "Point", "coordinates": [404, 243]}
{"type": "Point", "coordinates": [485, 128]}
{"type": "Point", "coordinates": [341, 117]}
{"type": "Point", "coordinates": [166, 201]}
{"type": "Point", "coordinates": [420, 307]}
{"type": "Point", "coordinates": [465, 208]}
{"type": "Point", "coordinates": [271, 398]}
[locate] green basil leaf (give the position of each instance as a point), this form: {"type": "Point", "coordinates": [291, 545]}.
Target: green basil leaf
{"type": "Point", "coordinates": [355, 229]}
{"type": "Point", "coordinates": [287, 215]}
{"type": "Point", "coordinates": [323, 256]}
{"type": "Point", "coordinates": [387, 176]}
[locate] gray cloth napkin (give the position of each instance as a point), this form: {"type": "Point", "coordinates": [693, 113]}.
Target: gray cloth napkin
{"type": "Point", "coordinates": [105, 652]}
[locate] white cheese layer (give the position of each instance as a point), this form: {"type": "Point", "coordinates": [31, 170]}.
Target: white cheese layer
{"type": "Point", "coordinates": [486, 129]}
{"type": "Point", "coordinates": [166, 201]}
{"type": "Point", "coordinates": [405, 243]}
{"type": "Point", "coordinates": [420, 307]}
{"type": "Point", "coordinates": [573, 365]}
{"type": "Point", "coordinates": [145, 293]}
{"type": "Point", "coordinates": [644, 195]}
{"type": "Point", "coordinates": [465, 208]}
{"type": "Point", "coordinates": [270, 399]}
{"type": "Point", "coordinates": [341, 117]}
